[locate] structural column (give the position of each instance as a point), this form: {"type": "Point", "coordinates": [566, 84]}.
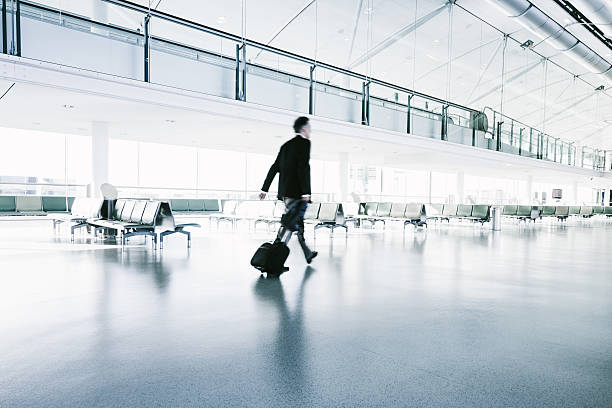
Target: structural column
{"type": "Point", "coordinates": [343, 176]}
{"type": "Point", "coordinates": [575, 193]}
{"type": "Point", "coordinates": [99, 13]}
{"type": "Point", "coordinates": [529, 190]}
{"type": "Point", "coordinates": [460, 187]}
{"type": "Point", "coordinates": [99, 156]}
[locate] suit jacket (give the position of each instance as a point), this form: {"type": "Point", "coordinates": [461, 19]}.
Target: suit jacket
{"type": "Point", "coordinates": [293, 164]}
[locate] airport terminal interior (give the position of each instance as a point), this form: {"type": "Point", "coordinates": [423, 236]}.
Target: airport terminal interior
{"type": "Point", "coordinates": [460, 203]}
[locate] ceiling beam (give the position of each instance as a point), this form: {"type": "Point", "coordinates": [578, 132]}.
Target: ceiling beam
{"type": "Point", "coordinates": [395, 37]}
{"type": "Point", "coordinates": [355, 27]}
{"type": "Point", "coordinates": [291, 20]}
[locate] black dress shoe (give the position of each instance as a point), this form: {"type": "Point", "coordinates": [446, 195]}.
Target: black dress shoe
{"type": "Point", "coordinates": [312, 256]}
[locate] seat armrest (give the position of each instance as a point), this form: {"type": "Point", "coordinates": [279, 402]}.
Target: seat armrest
{"type": "Point", "coordinates": [189, 224]}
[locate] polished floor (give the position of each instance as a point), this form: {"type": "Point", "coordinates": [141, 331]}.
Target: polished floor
{"type": "Point", "coordinates": [456, 316]}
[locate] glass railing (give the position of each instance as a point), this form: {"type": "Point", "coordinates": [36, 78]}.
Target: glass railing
{"type": "Point", "coordinates": [512, 136]}
{"type": "Point", "coordinates": [204, 59]}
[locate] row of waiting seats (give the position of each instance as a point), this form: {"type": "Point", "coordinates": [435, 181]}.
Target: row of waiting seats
{"type": "Point", "coordinates": [373, 212]}
{"type": "Point", "coordinates": [131, 217]}
{"type": "Point", "coordinates": [34, 205]}
{"type": "Point", "coordinates": [322, 215]}
{"type": "Point", "coordinates": [417, 214]}
{"type": "Point", "coordinates": [128, 217]}
{"type": "Point", "coordinates": [561, 212]}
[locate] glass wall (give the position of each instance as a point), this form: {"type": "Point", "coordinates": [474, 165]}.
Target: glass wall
{"type": "Point", "coordinates": [43, 163]}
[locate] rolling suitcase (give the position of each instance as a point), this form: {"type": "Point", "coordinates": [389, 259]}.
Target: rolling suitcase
{"type": "Point", "coordinates": [271, 256]}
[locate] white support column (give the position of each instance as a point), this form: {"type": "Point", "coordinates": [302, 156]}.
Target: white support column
{"type": "Point", "coordinates": [99, 14]}
{"type": "Point", "coordinates": [574, 195]}
{"type": "Point", "coordinates": [99, 156]}
{"type": "Point", "coordinates": [529, 190]}
{"type": "Point", "coordinates": [429, 188]}
{"type": "Point", "coordinates": [343, 176]}
{"type": "Point", "coordinates": [460, 187]}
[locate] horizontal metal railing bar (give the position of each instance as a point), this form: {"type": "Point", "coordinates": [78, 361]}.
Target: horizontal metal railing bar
{"type": "Point", "coordinates": [216, 55]}
{"type": "Point", "coordinates": [201, 27]}
{"type": "Point", "coordinates": [25, 184]}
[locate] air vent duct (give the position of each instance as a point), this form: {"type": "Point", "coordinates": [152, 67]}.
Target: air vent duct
{"type": "Point", "coordinates": [599, 12]}
{"type": "Point", "coordinates": [537, 21]}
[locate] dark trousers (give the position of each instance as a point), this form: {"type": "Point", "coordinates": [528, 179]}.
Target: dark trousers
{"type": "Point", "coordinates": [300, 228]}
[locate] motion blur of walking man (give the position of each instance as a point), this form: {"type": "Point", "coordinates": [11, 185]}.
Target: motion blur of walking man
{"type": "Point", "coordinates": [293, 165]}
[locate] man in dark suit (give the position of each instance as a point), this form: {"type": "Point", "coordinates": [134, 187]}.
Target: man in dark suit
{"type": "Point", "coordinates": [293, 165]}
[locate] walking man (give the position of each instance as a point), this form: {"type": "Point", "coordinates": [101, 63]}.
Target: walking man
{"type": "Point", "coordinates": [293, 165]}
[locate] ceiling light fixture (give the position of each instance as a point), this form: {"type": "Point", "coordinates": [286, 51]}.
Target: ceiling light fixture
{"type": "Point", "coordinates": [221, 20]}
{"type": "Point", "coordinates": [527, 44]}
{"type": "Point", "coordinates": [170, 121]}
{"type": "Point", "coordinates": [67, 106]}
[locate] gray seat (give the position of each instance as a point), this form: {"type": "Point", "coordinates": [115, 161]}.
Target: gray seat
{"type": "Point", "coordinates": [510, 210]}
{"type": "Point", "coordinates": [53, 204]}
{"type": "Point", "coordinates": [29, 205]}
{"type": "Point", "coordinates": [179, 205]}
{"type": "Point", "coordinates": [211, 205]}
{"type": "Point", "coordinates": [312, 212]}
{"type": "Point", "coordinates": [464, 211]}
{"type": "Point", "coordinates": [82, 210]}
{"type": "Point", "coordinates": [548, 211]}
{"type": "Point", "coordinates": [330, 216]}
{"type": "Point", "coordinates": [598, 209]}
{"type": "Point", "coordinates": [379, 213]}
{"type": "Point", "coordinates": [586, 211]}
{"type": "Point", "coordinates": [562, 212]}
{"type": "Point", "coordinates": [574, 210]}
{"type": "Point", "coordinates": [196, 205]}
{"type": "Point", "coordinates": [7, 205]}
{"type": "Point", "coordinates": [449, 211]}
{"type": "Point", "coordinates": [480, 213]}
{"type": "Point", "coordinates": [164, 219]}
{"type": "Point", "coordinates": [415, 215]}
{"type": "Point", "coordinates": [608, 211]}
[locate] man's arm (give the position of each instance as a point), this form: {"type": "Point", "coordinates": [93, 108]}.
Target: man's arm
{"type": "Point", "coordinates": [303, 168]}
{"type": "Point", "coordinates": [270, 177]}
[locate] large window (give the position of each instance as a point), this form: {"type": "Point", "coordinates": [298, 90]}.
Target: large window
{"type": "Point", "coordinates": [43, 163]}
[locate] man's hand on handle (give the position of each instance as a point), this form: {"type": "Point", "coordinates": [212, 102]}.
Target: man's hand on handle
{"type": "Point", "coordinates": [306, 198]}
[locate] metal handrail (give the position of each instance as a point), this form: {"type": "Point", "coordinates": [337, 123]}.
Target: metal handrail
{"type": "Point", "coordinates": [229, 36]}
{"type": "Point", "coordinates": [42, 184]}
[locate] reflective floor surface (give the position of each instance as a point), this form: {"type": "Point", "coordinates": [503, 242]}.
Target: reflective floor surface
{"type": "Point", "coordinates": [456, 316]}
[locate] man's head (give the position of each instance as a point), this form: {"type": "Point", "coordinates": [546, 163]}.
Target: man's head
{"type": "Point", "coordinates": [301, 126]}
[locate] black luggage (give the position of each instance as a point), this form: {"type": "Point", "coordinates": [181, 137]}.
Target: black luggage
{"type": "Point", "coordinates": [270, 257]}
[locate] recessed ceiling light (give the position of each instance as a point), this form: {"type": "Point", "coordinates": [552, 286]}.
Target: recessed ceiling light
{"type": "Point", "coordinates": [170, 121]}
{"type": "Point", "coordinates": [221, 20]}
{"type": "Point", "coordinates": [67, 106]}
{"type": "Point", "coordinates": [436, 42]}
{"type": "Point", "coordinates": [368, 10]}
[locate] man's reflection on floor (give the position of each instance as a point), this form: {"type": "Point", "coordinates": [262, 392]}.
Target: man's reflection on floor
{"type": "Point", "coordinates": [288, 367]}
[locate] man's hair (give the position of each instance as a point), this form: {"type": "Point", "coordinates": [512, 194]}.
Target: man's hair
{"type": "Point", "coordinates": [300, 123]}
